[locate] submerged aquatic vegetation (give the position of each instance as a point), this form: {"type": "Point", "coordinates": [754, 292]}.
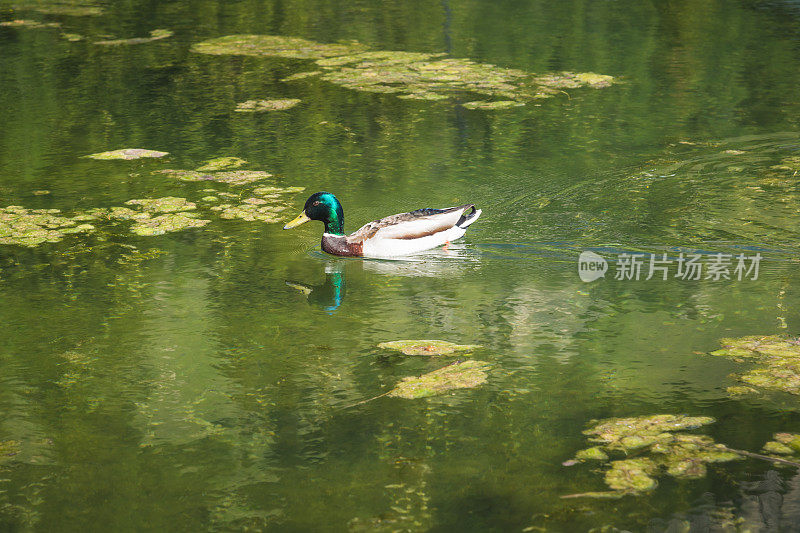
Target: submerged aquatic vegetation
{"type": "Point", "coordinates": [661, 445]}
{"type": "Point", "coordinates": [221, 163]}
{"type": "Point", "coordinates": [777, 359]}
{"type": "Point", "coordinates": [155, 35]}
{"type": "Point", "coordinates": [32, 227]}
{"type": "Point", "coordinates": [8, 449]}
{"type": "Point", "coordinates": [461, 375]}
{"type": "Point", "coordinates": [302, 75]}
{"type": "Point", "coordinates": [25, 23]}
{"type": "Point", "coordinates": [412, 75]}
{"type": "Point", "coordinates": [71, 9]}
{"type": "Point", "coordinates": [426, 347]}
{"type": "Point", "coordinates": [127, 153]}
{"type": "Point", "coordinates": [791, 163]}
{"type": "Point", "coordinates": [258, 106]}
{"type": "Point", "coordinates": [273, 46]}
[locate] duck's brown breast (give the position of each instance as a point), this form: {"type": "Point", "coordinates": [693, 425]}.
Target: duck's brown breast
{"type": "Point", "coordinates": [338, 245]}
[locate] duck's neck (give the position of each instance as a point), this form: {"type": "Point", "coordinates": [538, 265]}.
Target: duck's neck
{"type": "Point", "coordinates": [335, 222]}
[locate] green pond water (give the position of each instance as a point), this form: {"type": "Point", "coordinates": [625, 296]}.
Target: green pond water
{"type": "Point", "coordinates": [213, 378]}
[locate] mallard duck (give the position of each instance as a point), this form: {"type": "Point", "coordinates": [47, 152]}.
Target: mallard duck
{"type": "Point", "coordinates": [393, 236]}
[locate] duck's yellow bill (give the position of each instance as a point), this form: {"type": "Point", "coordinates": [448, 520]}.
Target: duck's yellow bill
{"type": "Point", "coordinates": [302, 218]}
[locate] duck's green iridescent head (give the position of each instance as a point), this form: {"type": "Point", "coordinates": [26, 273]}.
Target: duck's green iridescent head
{"type": "Point", "coordinates": [325, 207]}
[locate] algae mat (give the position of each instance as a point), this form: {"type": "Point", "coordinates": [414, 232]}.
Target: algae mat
{"type": "Point", "coordinates": [649, 446]}
{"type": "Point", "coordinates": [410, 75]}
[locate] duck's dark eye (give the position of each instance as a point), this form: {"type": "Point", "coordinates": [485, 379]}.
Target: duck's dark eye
{"type": "Point", "coordinates": [316, 203]}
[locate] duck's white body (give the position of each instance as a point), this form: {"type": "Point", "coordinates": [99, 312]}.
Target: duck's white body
{"type": "Point", "coordinates": [393, 240]}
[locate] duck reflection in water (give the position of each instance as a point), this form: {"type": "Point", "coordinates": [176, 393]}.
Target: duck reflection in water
{"type": "Point", "coordinates": [329, 295]}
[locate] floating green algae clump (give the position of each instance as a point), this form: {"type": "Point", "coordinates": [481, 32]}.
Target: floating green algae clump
{"type": "Point", "coordinates": [426, 347]}
{"type": "Point", "coordinates": [171, 216]}
{"type": "Point", "coordinates": [274, 46]}
{"type": "Point", "coordinates": [661, 446]}
{"type": "Point", "coordinates": [632, 475]}
{"type": "Point", "coordinates": [635, 432]}
{"type": "Point", "coordinates": [273, 192]}
{"type": "Point", "coordinates": [250, 211]}
{"type": "Point", "coordinates": [171, 211]}
{"type": "Point", "coordinates": [231, 177]}
{"type": "Point", "coordinates": [571, 80]}
{"type": "Point", "coordinates": [167, 223]}
{"type": "Point", "coordinates": [167, 204]}
{"type": "Point", "coordinates": [187, 175]}
{"type": "Point", "coordinates": [423, 76]}
{"type": "Point", "coordinates": [778, 448]}
{"type": "Point", "coordinates": [221, 163]}
{"type": "Point", "coordinates": [462, 375]}
{"type": "Point", "coordinates": [155, 216]}
{"type": "Point", "coordinates": [792, 440]}
{"type": "Point", "coordinates": [240, 177]}
{"type": "Point", "coordinates": [434, 77]}
{"type": "Point", "coordinates": [32, 227]}
{"type": "Point", "coordinates": [685, 456]}
{"type": "Point", "coordinates": [412, 75]}
{"type": "Point", "coordinates": [777, 359]}
{"type": "Point", "coordinates": [127, 153]}
{"type": "Point", "coordinates": [264, 206]}
{"type": "Point", "coordinates": [784, 444]}
{"type": "Point", "coordinates": [258, 106]}
{"type": "Point", "coordinates": [125, 213]}
{"type": "Point", "coordinates": [595, 453]}
{"type": "Point", "coordinates": [499, 104]}
{"type": "Point", "coordinates": [155, 35]}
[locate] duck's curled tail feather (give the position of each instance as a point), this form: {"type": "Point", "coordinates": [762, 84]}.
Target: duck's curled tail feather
{"type": "Point", "coordinates": [468, 218]}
